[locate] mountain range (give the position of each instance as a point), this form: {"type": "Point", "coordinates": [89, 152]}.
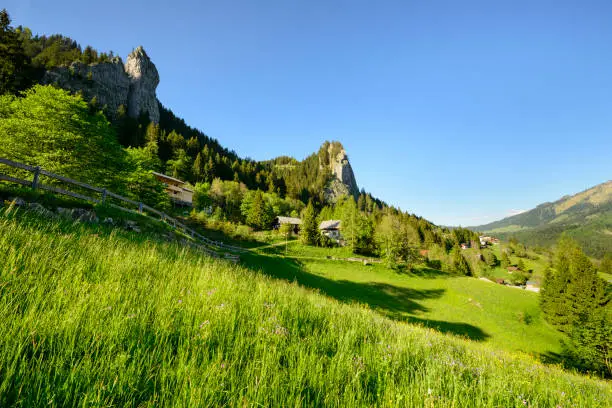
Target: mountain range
{"type": "Point", "coordinates": [585, 216]}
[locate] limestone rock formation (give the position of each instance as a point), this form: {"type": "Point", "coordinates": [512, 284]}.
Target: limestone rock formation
{"type": "Point", "coordinates": [343, 179]}
{"type": "Point", "coordinates": [113, 84]}
{"type": "Point", "coordinates": [143, 82]}
{"type": "Point", "coordinates": [107, 82]}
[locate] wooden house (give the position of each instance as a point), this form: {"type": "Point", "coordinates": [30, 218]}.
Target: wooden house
{"type": "Point", "coordinates": [294, 222]}
{"type": "Point", "coordinates": [177, 189]}
{"type": "Point", "coordinates": [331, 229]}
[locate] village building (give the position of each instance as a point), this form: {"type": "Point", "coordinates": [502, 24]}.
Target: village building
{"type": "Point", "coordinates": [294, 222]}
{"type": "Point", "coordinates": [532, 286]}
{"type": "Point", "coordinates": [486, 240]}
{"type": "Point", "coordinates": [331, 229]}
{"type": "Point", "coordinates": [177, 189]}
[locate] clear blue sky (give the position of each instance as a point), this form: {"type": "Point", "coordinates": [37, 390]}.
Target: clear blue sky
{"type": "Point", "coordinates": [459, 111]}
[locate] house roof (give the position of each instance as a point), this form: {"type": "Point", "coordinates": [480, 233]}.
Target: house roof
{"type": "Point", "coordinates": [330, 224]}
{"type": "Point", "coordinates": [167, 177]}
{"type": "Point", "coordinates": [289, 220]}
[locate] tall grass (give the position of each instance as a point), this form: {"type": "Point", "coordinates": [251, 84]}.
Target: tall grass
{"type": "Point", "coordinates": [100, 320]}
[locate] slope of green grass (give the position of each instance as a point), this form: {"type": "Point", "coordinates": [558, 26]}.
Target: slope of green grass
{"type": "Point", "coordinates": [106, 318]}
{"type": "Point", "coordinates": [469, 307]}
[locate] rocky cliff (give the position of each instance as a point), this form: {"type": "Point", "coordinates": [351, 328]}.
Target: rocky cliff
{"type": "Point", "coordinates": [343, 179]}
{"type": "Point", "coordinates": [113, 84]}
{"type": "Point", "coordinates": [143, 82]}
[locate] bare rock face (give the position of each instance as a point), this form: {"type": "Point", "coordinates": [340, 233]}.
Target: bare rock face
{"type": "Point", "coordinates": [344, 172]}
{"type": "Point", "coordinates": [113, 84]}
{"type": "Point", "coordinates": [107, 82]}
{"type": "Point", "coordinates": [343, 181]}
{"type": "Point", "coordinates": [144, 79]}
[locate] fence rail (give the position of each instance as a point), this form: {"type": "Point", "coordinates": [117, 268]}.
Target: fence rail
{"type": "Point", "coordinates": [105, 195]}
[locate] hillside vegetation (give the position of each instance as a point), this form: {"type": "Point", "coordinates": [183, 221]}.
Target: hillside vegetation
{"type": "Point", "coordinates": [586, 217]}
{"type": "Point", "coordinates": [96, 317]}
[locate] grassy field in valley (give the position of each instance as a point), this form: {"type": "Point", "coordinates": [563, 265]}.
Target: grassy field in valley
{"type": "Point", "coordinates": [469, 307]}
{"type": "Point", "coordinates": [100, 317]}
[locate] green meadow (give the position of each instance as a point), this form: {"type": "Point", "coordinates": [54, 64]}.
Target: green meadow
{"type": "Point", "coordinates": [471, 308]}
{"type": "Point", "coordinates": [94, 316]}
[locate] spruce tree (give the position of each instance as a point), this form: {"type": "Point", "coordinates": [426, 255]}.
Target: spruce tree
{"type": "Point", "coordinates": [14, 63]}
{"type": "Point", "coordinates": [460, 265]}
{"type": "Point", "coordinates": [199, 167]}
{"type": "Point", "coordinates": [576, 301]}
{"type": "Point", "coordinates": [505, 260]}
{"type": "Point", "coordinates": [260, 214]}
{"type": "Point", "coordinates": [309, 233]}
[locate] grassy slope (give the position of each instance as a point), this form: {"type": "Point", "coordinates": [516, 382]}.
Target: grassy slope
{"type": "Point", "coordinates": [480, 310]}
{"type": "Point", "coordinates": [94, 317]}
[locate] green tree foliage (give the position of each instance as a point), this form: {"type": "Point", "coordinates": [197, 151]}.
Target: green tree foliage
{"type": "Point", "coordinates": [256, 210]}
{"type": "Point", "coordinates": [464, 235]}
{"type": "Point", "coordinates": [227, 198]}
{"type": "Point", "coordinates": [460, 265]}
{"type": "Point", "coordinates": [388, 237]}
{"type": "Point", "coordinates": [505, 259]}
{"type": "Point", "coordinates": [490, 258]}
{"type": "Point", "coordinates": [179, 165]}
{"type": "Point", "coordinates": [201, 196]}
{"type": "Point", "coordinates": [576, 301]}
{"type": "Point", "coordinates": [14, 63]}
{"type": "Point", "coordinates": [309, 231]}
{"type": "Point", "coordinates": [199, 167]}
{"type": "Point", "coordinates": [606, 263]}
{"type": "Point", "coordinates": [50, 128]}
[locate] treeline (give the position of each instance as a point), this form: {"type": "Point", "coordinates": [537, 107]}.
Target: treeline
{"type": "Point", "coordinates": [576, 301]}
{"type": "Point", "coordinates": [25, 56]}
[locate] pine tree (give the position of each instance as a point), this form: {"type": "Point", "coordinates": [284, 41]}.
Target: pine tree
{"type": "Point", "coordinates": [361, 205]}
{"type": "Point", "coordinates": [199, 167]}
{"type": "Point", "coordinates": [260, 214]}
{"type": "Point", "coordinates": [209, 170]}
{"type": "Point", "coordinates": [460, 265]}
{"type": "Point", "coordinates": [309, 232]}
{"type": "Point", "coordinates": [505, 260]}
{"type": "Point", "coordinates": [14, 63]}
{"type": "Point", "coordinates": [350, 222]}
{"type": "Point", "coordinates": [576, 301]}
{"type": "Point", "coordinates": [388, 237]}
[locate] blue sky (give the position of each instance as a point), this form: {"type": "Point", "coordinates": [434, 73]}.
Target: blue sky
{"type": "Point", "coordinates": [460, 111]}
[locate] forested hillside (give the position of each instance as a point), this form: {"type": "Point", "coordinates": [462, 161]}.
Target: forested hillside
{"type": "Point", "coordinates": [586, 217]}
{"type": "Point", "coordinates": [218, 175]}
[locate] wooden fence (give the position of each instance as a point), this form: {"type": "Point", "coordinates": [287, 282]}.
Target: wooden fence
{"type": "Point", "coordinates": [105, 197]}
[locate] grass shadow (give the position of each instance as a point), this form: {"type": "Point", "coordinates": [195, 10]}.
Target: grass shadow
{"type": "Point", "coordinates": [397, 303]}
{"type": "Point", "coordinates": [427, 273]}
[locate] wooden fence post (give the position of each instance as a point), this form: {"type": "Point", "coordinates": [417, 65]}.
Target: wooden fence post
{"type": "Point", "coordinates": [103, 196]}
{"type": "Point", "coordinates": [36, 176]}
{"type": "Point", "coordinates": [140, 208]}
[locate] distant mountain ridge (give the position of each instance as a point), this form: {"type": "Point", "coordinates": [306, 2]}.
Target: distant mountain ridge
{"type": "Point", "coordinates": [586, 216]}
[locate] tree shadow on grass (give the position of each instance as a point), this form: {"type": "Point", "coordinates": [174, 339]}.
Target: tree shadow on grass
{"type": "Point", "coordinates": [395, 302]}
{"type": "Point", "coordinates": [427, 273]}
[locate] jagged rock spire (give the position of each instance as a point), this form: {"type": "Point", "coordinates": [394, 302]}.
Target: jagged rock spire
{"type": "Point", "coordinates": [144, 79]}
